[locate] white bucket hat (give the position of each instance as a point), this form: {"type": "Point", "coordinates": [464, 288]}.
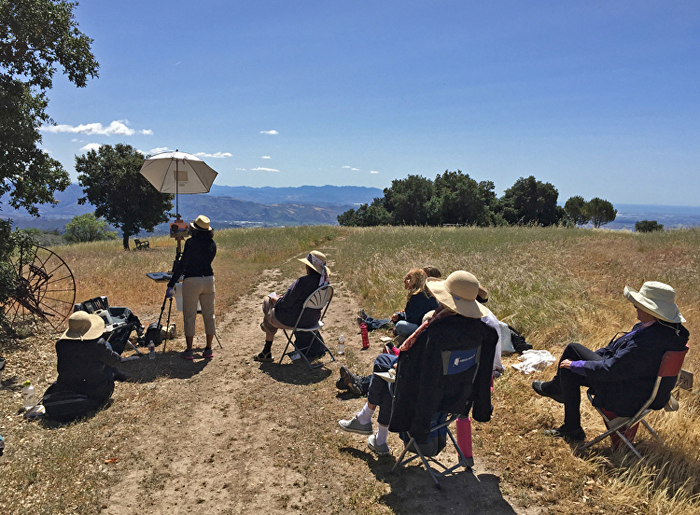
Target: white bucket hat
{"type": "Point", "coordinates": [458, 292]}
{"type": "Point", "coordinates": [84, 326]}
{"type": "Point", "coordinates": [315, 260]}
{"type": "Point", "coordinates": [657, 299]}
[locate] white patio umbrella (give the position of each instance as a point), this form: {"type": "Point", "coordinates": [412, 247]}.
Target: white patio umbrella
{"type": "Point", "coordinates": [178, 172]}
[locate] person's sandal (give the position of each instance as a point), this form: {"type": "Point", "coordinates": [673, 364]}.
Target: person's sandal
{"type": "Point", "coordinates": [187, 354]}
{"type": "Point", "coordinates": [264, 358]}
{"type": "Point", "coordinates": [207, 353]}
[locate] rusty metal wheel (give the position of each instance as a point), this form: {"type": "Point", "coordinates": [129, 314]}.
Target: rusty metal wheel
{"type": "Point", "coordinates": [44, 288]}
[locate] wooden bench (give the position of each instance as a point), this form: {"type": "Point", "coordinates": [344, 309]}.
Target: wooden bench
{"type": "Point", "coordinates": [142, 244]}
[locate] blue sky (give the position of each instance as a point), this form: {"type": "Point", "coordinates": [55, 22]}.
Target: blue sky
{"type": "Point", "coordinates": [598, 98]}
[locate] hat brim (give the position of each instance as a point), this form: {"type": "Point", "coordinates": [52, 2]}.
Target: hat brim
{"type": "Point", "coordinates": [319, 270]}
{"type": "Point", "coordinates": [665, 311]}
{"type": "Point", "coordinates": [196, 228]}
{"type": "Point", "coordinates": [464, 307]}
{"type": "Point", "coordinates": [97, 329]}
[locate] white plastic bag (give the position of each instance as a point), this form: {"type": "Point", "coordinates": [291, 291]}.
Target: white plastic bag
{"type": "Point", "coordinates": [533, 360]}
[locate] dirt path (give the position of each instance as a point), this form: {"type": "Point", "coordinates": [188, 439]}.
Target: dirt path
{"type": "Point", "coordinates": [233, 436]}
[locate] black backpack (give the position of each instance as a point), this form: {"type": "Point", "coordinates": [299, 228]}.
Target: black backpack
{"type": "Point", "coordinates": [518, 340]}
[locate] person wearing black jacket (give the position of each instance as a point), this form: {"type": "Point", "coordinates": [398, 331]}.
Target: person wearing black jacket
{"type": "Point", "coordinates": [283, 312]}
{"type": "Point", "coordinates": [421, 387]}
{"type": "Point", "coordinates": [86, 362]}
{"type": "Point", "coordinates": [198, 284]}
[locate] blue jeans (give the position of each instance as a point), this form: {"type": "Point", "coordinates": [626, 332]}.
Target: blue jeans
{"type": "Point", "coordinates": [378, 392]}
{"type": "Point", "coordinates": [404, 328]}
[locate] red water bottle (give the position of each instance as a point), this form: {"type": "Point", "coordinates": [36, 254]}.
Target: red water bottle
{"type": "Point", "coordinates": [365, 336]}
{"type": "Point", "coordinates": [464, 436]}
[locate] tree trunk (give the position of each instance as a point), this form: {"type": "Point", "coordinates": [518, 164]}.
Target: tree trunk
{"type": "Point", "coordinates": [125, 240]}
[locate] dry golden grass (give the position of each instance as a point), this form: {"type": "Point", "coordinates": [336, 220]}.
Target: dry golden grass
{"type": "Point", "coordinates": [554, 285]}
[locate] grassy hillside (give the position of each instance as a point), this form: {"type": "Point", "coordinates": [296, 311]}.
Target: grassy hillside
{"type": "Point", "coordinates": [554, 285]}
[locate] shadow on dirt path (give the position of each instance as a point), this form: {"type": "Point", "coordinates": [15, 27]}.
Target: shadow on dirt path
{"type": "Point", "coordinates": [230, 435]}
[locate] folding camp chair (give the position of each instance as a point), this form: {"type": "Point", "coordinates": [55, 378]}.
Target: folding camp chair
{"type": "Point", "coordinates": [625, 428]}
{"type": "Point", "coordinates": [464, 362]}
{"type": "Point", "coordinates": [319, 299]}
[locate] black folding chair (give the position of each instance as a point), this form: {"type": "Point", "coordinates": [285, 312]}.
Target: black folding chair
{"type": "Point", "coordinates": [464, 362]}
{"type": "Point", "coordinates": [319, 299]}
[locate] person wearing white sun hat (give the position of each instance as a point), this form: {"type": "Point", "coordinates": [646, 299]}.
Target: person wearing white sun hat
{"type": "Point", "coordinates": [282, 312]}
{"type": "Point", "coordinates": [457, 323]}
{"type": "Point", "coordinates": [623, 373]}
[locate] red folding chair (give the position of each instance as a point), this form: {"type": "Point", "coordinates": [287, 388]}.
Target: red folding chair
{"type": "Point", "coordinates": [624, 429]}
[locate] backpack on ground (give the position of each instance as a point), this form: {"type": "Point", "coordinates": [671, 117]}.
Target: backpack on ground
{"type": "Point", "coordinates": [66, 406]}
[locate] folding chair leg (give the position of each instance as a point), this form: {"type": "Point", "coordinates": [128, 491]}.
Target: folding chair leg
{"type": "Point", "coordinates": [646, 424]}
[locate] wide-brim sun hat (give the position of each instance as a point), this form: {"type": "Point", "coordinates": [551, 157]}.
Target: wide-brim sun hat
{"type": "Point", "coordinates": [201, 223]}
{"type": "Point", "coordinates": [657, 299]}
{"type": "Point", "coordinates": [458, 293]}
{"type": "Point", "coordinates": [84, 326]}
{"type": "Point", "coordinates": [320, 261]}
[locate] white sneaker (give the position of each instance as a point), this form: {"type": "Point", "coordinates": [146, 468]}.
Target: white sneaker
{"type": "Point", "coordinates": [354, 426]}
{"type": "Point", "coordinates": [382, 449]}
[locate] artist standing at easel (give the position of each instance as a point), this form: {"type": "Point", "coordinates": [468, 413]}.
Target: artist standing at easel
{"type": "Point", "coordinates": [198, 285]}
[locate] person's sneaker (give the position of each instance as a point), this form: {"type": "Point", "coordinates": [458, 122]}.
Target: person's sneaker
{"type": "Point", "coordinates": [263, 358]}
{"type": "Point", "coordinates": [353, 426]}
{"type": "Point", "coordinates": [381, 449]}
{"type": "Point", "coordinates": [187, 354]}
{"type": "Point", "coordinates": [572, 435]}
{"type": "Point", "coordinates": [351, 380]}
{"type": "Point", "coordinates": [540, 388]}
{"type": "Point", "coordinates": [207, 353]}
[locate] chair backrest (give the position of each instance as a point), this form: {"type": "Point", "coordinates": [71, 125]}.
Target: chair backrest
{"type": "Point", "coordinates": [671, 363]}
{"type": "Point", "coordinates": [320, 298]}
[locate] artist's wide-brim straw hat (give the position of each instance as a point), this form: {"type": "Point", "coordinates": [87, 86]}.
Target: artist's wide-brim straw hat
{"type": "Point", "coordinates": [308, 261]}
{"type": "Point", "coordinates": [458, 293]}
{"type": "Point", "coordinates": [201, 223]}
{"type": "Point", "coordinates": [657, 299]}
{"type": "Point", "coordinates": [84, 326]}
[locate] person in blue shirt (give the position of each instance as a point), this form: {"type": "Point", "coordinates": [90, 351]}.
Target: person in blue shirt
{"type": "Point", "coordinates": [418, 303]}
{"type": "Point", "coordinates": [622, 374]}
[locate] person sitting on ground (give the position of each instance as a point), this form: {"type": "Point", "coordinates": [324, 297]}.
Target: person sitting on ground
{"type": "Point", "coordinates": [86, 361]}
{"type": "Point", "coordinates": [359, 385]}
{"type": "Point", "coordinates": [283, 312]}
{"type": "Point", "coordinates": [623, 373]}
{"type": "Point", "coordinates": [419, 302]}
{"type": "Point", "coordinates": [457, 318]}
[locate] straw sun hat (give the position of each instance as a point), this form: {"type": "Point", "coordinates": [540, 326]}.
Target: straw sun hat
{"type": "Point", "coordinates": [458, 292]}
{"type": "Point", "coordinates": [657, 299]}
{"type": "Point", "coordinates": [308, 260]}
{"type": "Point", "coordinates": [84, 326]}
{"type": "Point", "coordinates": [201, 223]}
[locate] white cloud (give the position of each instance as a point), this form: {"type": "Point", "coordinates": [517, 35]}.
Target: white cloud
{"type": "Point", "coordinates": [91, 146]}
{"type": "Point", "coordinates": [217, 155]}
{"type": "Point", "coordinates": [260, 169]}
{"type": "Point", "coordinates": [241, 169]}
{"type": "Point", "coordinates": [346, 167]}
{"type": "Point", "coordinates": [373, 171]}
{"type": "Point", "coordinates": [270, 133]}
{"type": "Point", "coordinates": [158, 150]}
{"type": "Point", "coordinates": [116, 128]}
{"type": "Point", "coordinates": [265, 157]}
{"type": "Point", "coordinates": [74, 140]}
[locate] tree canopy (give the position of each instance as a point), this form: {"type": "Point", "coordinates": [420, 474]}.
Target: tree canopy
{"type": "Point", "coordinates": [600, 212]}
{"type": "Point", "coordinates": [112, 183]}
{"type": "Point", "coordinates": [575, 209]}
{"type": "Point", "coordinates": [530, 201]}
{"type": "Point", "coordinates": [36, 37]}
{"type": "Point", "coordinates": [87, 227]}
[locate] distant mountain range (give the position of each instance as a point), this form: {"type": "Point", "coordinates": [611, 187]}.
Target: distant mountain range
{"type": "Point", "coordinates": [226, 206]}
{"type": "Point", "coordinates": [241, 206]}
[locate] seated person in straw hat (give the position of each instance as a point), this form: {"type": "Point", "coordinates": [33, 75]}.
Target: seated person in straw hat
{"type": "Point", "coordinates": [86, 361]}
{"type": "Point", "coordinates": [457, 319]}
{"type": "Point", "coordinates": [623, 373]}
{"type": "Point", "coordinates": [282, 312]}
